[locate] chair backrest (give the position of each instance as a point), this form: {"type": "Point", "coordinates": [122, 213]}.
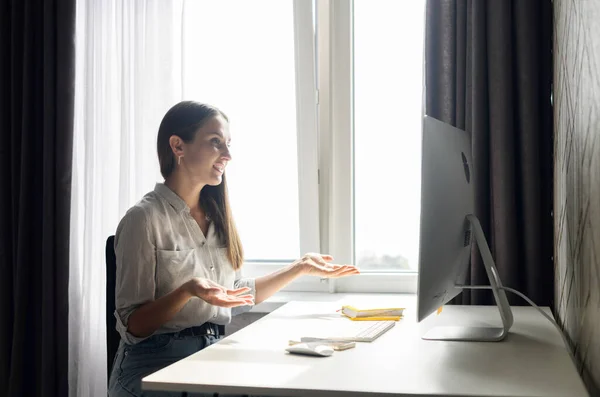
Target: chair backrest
{"type": "Point", "coordinates": [112, 336]}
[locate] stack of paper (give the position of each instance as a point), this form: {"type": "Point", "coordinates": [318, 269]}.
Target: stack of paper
{"type": "Point", "coordinates": [372, 314]}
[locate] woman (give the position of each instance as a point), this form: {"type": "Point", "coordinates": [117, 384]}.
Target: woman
{"type": "Point", "coordinates": [179, 254]}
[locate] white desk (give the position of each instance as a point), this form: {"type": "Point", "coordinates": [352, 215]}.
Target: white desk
{"type": "Point", "coordinates": [532, 361]}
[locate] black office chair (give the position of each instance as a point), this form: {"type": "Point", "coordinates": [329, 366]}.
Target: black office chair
{"type": "Point", "coordinates": [112, 336]}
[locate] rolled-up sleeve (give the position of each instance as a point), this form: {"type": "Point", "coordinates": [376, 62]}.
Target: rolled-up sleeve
{"type": "Point", "coordinates": [136, 267]}
{"type": "Point", "coordinates": [241, 282]}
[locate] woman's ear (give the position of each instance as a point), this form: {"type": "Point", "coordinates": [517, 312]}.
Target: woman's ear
{"type": "Point", "coordinates": [176, 144]}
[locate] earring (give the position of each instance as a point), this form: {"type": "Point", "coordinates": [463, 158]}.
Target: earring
{"type": "Point", "coordinates": [179, 160]}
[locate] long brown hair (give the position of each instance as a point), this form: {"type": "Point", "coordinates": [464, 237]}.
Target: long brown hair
{"type": "Point", "coordinates": [184, 119]}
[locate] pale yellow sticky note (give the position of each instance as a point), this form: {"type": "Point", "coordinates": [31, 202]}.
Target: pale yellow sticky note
{"type": "Point", "coordinates": [439, 310]}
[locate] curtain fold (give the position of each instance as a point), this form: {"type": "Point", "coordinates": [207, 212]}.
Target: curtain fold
{"type": "Point", "coordinates": [489, 71]}
{"type": "Point", "coordinates": [37, 58]}
{"type": "Point", "coordinates": [128, 74]}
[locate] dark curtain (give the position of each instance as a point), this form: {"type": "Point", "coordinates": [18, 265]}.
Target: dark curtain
{"type": "Point", "coordinates": [489, 71]}
{"type": "Point", "coordinates": [36, 122]}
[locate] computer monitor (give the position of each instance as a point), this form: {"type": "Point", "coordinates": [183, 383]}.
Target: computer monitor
{"type": "Point", "coordinates": [448, 225]}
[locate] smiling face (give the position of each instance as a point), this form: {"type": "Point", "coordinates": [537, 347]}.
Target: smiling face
{"type": "Point", "coordinates": [205, 158]}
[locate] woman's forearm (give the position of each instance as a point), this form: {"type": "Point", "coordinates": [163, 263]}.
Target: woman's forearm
{"type": "Point", "coordinates": [151, 316]}
{"type": "Point", "coordinates": [268, 285]}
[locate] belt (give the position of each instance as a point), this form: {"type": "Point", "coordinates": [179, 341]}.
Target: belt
{"type": "Point", "coordinates": [203, 330]}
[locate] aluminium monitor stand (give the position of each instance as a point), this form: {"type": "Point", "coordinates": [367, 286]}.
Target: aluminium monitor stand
{"type": "Point", "coordinates": [479, 334]}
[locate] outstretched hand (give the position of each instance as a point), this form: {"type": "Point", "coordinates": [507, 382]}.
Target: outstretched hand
{"type": "Point", "coordinates": [217, 295]}
{"type": "Point", "coordinates": [314, 264]}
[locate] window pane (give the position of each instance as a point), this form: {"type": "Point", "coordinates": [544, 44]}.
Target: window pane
{"type": "Point", "coordinates": [239, 56]}
{"type": "Point", "coordinates": [388, 62]}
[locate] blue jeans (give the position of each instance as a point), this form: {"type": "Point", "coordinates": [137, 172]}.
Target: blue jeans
{"type": "Point", "coordinates": [134, 362]}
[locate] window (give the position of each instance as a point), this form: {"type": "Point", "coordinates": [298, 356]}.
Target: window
{"type": "Point", "coordinates": [325, 102]}
{"type": "Point", "coordinates": [387, 58]}
{"type": "Point", "coordinates": [248, 70]}
{"type": "Point", "coordinates": [370, 77]}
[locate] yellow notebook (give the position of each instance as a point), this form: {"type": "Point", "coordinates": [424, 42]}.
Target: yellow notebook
{"type": "Point", "coordinates": [373, 314]}
{"type": "Point", "coordinates": [384, 318]}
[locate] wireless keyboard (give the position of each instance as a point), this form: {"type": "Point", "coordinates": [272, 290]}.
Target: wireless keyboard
{"type": "Point", "coordinates": [353, 331]}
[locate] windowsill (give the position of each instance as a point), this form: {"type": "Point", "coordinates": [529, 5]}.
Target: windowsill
{"type": "Point", "coordinates": [365, 283]}
{"type": "Point", "coordinates": [283, 297]}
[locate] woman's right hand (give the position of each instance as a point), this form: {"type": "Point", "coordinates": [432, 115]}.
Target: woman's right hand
{"type": "Point", "coordinates": [217, 295]}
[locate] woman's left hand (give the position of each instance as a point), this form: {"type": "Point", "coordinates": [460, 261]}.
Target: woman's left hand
{"type": "Point", "coordinates": [313, 264]}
